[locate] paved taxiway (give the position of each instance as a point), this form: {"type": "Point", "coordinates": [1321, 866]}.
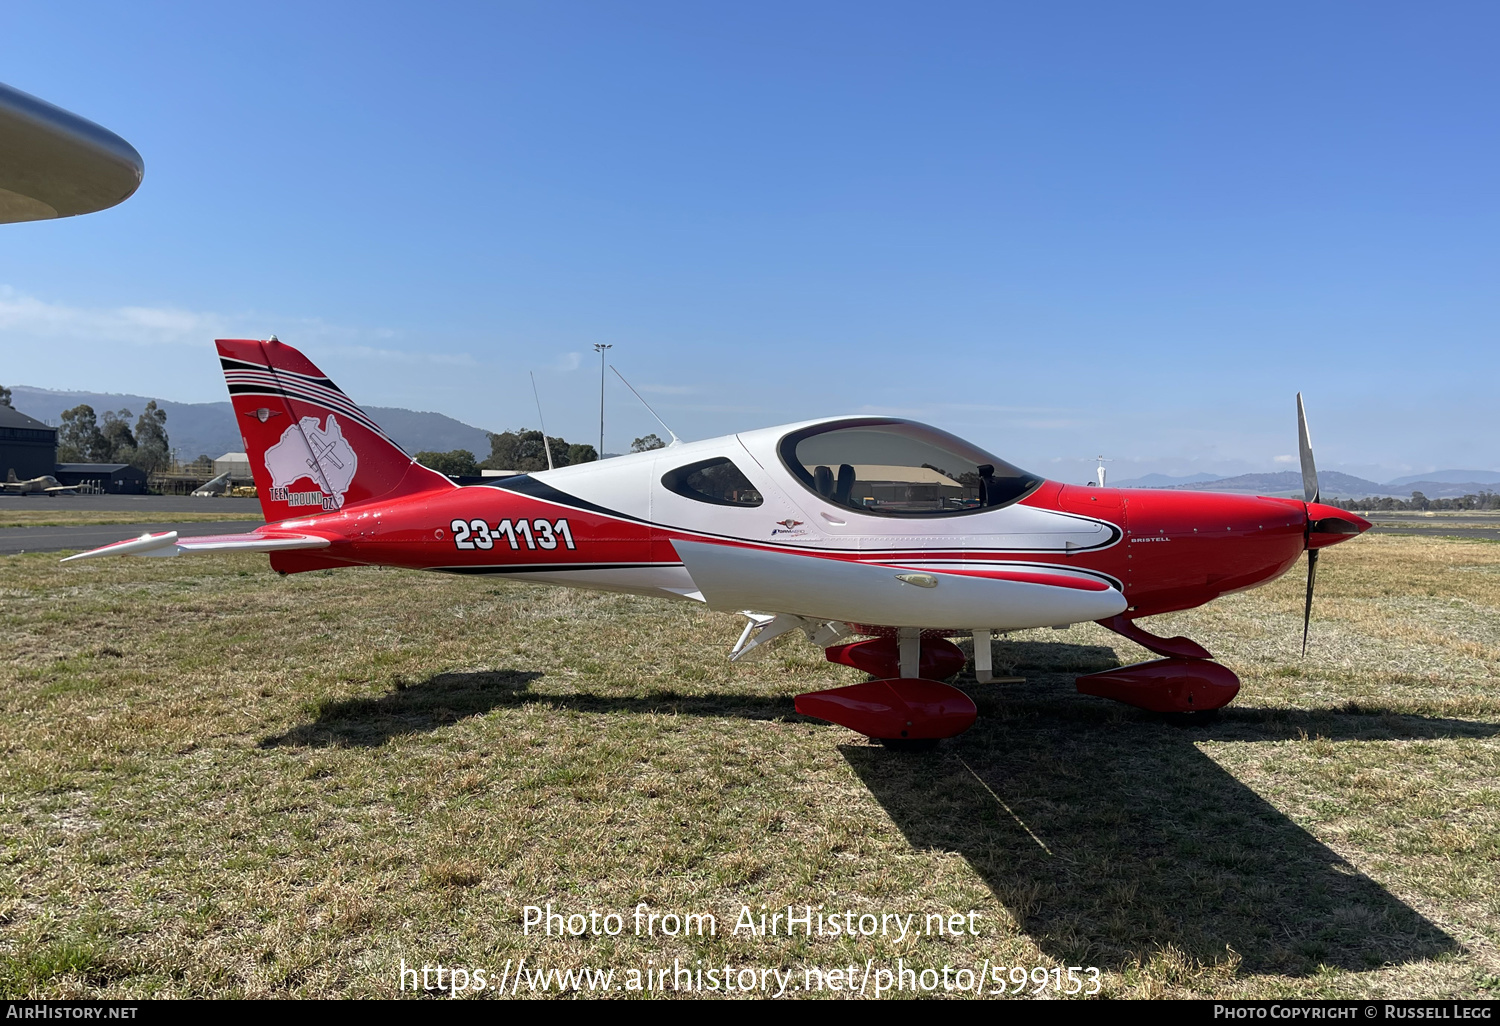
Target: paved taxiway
{"type": "Point", "coordinates": [151, 507]}
{"type": "Point", "coordinates": [91, 536]}
{"type": "Point", "coordinates": [155, 516]}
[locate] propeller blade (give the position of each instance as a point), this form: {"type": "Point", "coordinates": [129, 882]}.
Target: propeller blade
{"type": "Point", "coordinates": [1312, 573]}
{"type": "Point", "coordinates": [1304, 449]}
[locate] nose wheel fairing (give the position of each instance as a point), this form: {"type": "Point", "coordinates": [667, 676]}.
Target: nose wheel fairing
{"type": "Point", "coordinates": [1171, 685]}
{"type": "Point", "coordinates": [1187, 680]}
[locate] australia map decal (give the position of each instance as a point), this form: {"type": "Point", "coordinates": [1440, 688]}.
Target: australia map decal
{"type": "Point", "coordinates": [319, 453]}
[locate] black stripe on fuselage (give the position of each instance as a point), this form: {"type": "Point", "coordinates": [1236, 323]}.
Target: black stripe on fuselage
{"type": "Point", "coordinates": [525, 485]}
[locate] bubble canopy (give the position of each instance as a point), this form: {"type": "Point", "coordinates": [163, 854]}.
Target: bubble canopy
{"type": "Point", "coordinates": [898, 468]}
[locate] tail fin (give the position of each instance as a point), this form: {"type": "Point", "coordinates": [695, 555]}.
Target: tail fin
{"type": "Point", "coordinates": [310, 448]}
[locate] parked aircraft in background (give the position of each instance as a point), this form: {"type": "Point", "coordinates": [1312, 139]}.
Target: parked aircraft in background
{"type": "Point", "coordinates": [44, 485]}
{"type": "Point", "coordinates": [218, 486]}
{"type": "Point", "coordinates": [878, 538]}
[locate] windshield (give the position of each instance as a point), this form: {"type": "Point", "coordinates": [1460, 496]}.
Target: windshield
{"type": "Point", "coordinates": [898, 468]}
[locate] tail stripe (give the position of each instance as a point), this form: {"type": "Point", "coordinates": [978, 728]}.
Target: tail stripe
{"type": "Point", "coordinates": [316, 379]}
{"type": "Point", "coordinates": [267, 383]}
{"type": "Point", "coordinates": [243, 386]}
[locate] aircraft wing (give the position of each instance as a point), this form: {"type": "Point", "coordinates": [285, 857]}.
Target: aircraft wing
{"type": "Point", "coordinates": [63, 490]}
{"type": "Point", "coordinates": [915, 594]}
{"type": "Point", "coordinates": [57, 164]}
{"type": "Point", "coordinates": [169, 544]}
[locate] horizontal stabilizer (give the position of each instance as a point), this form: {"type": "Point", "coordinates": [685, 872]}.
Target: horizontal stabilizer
{"type": "Point", "coordinates": [169, 544]}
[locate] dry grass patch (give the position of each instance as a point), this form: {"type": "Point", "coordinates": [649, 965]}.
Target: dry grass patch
{"type": "Point", "coordinates": [214, 781]}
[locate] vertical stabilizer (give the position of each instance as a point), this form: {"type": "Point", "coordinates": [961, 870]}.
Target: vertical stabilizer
{"type": "Point", "coordinates": [311, 449]}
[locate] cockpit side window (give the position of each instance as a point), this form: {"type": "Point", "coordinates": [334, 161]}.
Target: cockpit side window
{"type": "Point", "coordinates": [898, 468]}
{"type": "Point", "coordinates": [716, 481]}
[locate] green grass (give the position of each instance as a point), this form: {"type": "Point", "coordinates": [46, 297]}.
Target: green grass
{"type": "Point", "coordinates": [218, 782]}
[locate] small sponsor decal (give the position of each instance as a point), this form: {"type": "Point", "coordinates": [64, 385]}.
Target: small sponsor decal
{"type": "Point", "coordinates": [263, 414]}
{"type": "Point", "coordinates": [788, 528]}
{"type": "Point", "coordinates": [303, 498]}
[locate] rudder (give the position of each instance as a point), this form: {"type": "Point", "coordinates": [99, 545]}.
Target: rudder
{"type": "Point", "coordinates": [311, 449]}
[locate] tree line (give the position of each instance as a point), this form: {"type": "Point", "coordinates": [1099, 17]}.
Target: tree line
{"type": "Point", "coordinates": [510, 450]}
{"type": "Point", "coordinates": [1385, 503]}
{"type": "Point", "coordinates": [521, 451]}
{"type": "Point", "coordinates": [83, 439]}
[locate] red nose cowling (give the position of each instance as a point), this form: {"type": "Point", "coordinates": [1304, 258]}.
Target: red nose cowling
{"type": "Point", "coordinates": [1329, 525]}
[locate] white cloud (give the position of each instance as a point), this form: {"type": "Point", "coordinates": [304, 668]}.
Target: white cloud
{"type": "Point", "coordinates": [24, 315]}
{"type": "Point", "coordinates": [141, 325]}
{"type": "Point", "coordinates": [1284, 459]}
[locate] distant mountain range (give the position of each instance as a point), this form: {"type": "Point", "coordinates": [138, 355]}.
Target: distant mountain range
{"type": "Point", "coordinates": [1164, 481]}
{"type": "Point", "coordinates": [1441, 484]}
{"type": "Point", "coordinates": [209, 428]}
{"type": "Point", "coordinates": [1449, 477]}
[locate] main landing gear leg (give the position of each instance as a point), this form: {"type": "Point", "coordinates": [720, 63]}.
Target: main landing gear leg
{"type": "Point", "coordinates": [1187, 683]}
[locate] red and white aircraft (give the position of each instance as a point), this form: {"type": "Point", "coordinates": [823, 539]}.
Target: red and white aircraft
{"type": "Point", "coordinates": [845, 528]}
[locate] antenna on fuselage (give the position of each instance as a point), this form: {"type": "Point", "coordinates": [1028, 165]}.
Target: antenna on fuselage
{"type": "Point", "coordinates": [675, 439]}
{"type": "Point", "coordinates": [546, 447]}
{"type": "Point", "coordinates": [1100, 471]}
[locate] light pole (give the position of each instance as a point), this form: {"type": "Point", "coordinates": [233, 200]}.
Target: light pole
{"type": "Point", "coordinates": [600, 348]}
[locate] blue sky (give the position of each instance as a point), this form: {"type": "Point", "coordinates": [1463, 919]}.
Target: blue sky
{"type": "Point", "coordinates": [1056, 229]}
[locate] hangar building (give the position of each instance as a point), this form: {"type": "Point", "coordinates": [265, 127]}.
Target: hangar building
{"type": "Point", "coordinates": [111, 478]}
{"type": "Point", "coordinates": [237, 466]}
{"type": "Point", "coordinates": [26, 445]}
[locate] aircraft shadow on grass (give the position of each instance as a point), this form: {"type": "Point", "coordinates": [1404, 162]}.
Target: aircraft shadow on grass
{"type": "Point", "coordinates": [1112, 838]}
{"type": "Point", "coordinates": [1105, 832]}
{"type": "Point", "coordinates": [446, 698]}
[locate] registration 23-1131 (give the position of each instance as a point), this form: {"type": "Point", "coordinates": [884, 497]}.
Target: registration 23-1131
{"type": "Point", "coordinates": [537, 534]}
